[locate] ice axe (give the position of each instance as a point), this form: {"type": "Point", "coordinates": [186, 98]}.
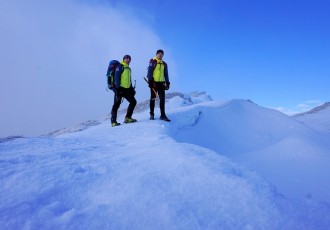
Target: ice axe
{"type": "Point", "coordinates": [151, 88]}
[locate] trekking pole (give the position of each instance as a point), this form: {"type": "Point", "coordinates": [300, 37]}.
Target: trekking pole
{"type": "Point", "coordinates": [151, 88]}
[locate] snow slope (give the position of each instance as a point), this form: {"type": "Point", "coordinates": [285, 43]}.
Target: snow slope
{"type": "Point", "coordinates": [153, 175]}
{"type": "Point", "coordinates": [317, 118]}
{"type": "Point", "coordinates": [290, 155]}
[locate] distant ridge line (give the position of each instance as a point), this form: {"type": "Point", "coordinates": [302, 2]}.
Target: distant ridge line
{"type": "Point", "coordinates": [314, 110]}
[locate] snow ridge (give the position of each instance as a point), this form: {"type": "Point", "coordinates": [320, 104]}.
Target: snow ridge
{"type": "Point", "coordinates": [314, 110]}
{"type": "Point", "coordinates": [317, 118]}
{"type": "Point", "coordinates": [75, 128]}
{"type": "Point", "coordinates": [217, 165]}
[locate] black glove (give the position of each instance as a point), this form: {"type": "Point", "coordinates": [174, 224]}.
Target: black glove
{"type": "Point", "coordinates": [111, 86]}
{"type": "Point", "coordinates": [167, 85]}
{"type": "Point", "coordinates": [151, 83]}
{"type": "Point", "coordinates": [132, 91]}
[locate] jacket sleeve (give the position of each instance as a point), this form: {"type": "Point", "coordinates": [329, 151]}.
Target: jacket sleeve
{"type": "Point", "coordinates": [109, 70]}
{"type": "Point", "coordinates": [118, 72]}
{"type": "Point", "coordinates": [166, 73]}
{"type": "Point", "coordinates": [151, 68]}
{"type": "Point", "coordinates": [109, 80]}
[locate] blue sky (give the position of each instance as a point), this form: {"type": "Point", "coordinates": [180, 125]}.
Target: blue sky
{"type": "Point", "coordinates": [275, 53]}
{"type": "Point", "coordinates": [55, 53]}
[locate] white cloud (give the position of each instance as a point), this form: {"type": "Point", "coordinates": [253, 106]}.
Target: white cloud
{"type": "Point", "coordinates": [300, 108]}
{"type": "Point", "coordinates": [54, 58]}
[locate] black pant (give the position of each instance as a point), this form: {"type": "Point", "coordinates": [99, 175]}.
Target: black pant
{"type": "Point", "coordinates": [128, 94]}
{"type": "Point", "coordinates": [160, 89]}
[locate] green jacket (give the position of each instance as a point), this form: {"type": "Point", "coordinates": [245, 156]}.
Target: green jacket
{"type": "Point", "coordinates": [123, 76]}
{"type": "Point", "coordinates": [157, 70]}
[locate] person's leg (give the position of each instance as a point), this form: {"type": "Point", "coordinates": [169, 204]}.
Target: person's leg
{"type": "Point", "coordinates": [161, 94]}
{"type": "Point", "coordinates": [129, 96]}
{"type": "Point", "coordinates": [152, 104]}
{"type": "Point", "coordinates": [114, 110]}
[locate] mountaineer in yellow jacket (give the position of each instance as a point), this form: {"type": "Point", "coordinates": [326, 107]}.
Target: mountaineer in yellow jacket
{"type": "Point", "coordinates": [123, 89]}
{"type": "Point", "coordinates": [158, 81]}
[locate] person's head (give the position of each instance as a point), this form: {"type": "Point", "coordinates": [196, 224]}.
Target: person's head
{"type": "Point", "coordinates": [127, 59]}
{"type": "Point", "coordinates": [160, 54]}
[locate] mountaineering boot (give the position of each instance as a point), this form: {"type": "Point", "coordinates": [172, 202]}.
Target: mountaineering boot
{"type": "Point", "coordinates": [164, 118]}
{"type": "Point", "coordinates": [129, 120]}
{"type": "Point", "coordinates": [115, 123]}
{"type": "Point", "coordinates": [152, 116]}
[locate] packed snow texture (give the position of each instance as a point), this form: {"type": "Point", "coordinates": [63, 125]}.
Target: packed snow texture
{"type": "Point", "coordinates": [217, 165]}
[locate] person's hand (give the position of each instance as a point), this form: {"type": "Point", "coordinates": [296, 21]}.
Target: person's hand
{"type": "Point", "coordinates": [111, 86]}
{"type": "Point", "coordinates": [151, 84]}
{"type": "Point", "coordinates": [133, 91]}
{"type": "Point", "coordinates": [118, 91]}
{"type": "Point", "coordinates": [167, 85]}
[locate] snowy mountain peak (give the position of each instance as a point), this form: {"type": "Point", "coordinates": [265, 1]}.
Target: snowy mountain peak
{"type": "Point", "coordinates": [75, 128]}
{"type": "Point", "coordinates": [173, 100]}
{"type": "Point", "coordinates": [317, 109]}
{"type": "Point", "coordinates": [317, 118]}
{"type": "Point", "coordinates": [216, 165]}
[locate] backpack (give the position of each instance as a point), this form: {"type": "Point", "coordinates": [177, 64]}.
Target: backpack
{"type": "Point", "coordinates": [111, 73]}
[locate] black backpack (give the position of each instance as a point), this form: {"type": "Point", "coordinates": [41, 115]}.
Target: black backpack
{"type": "Point", "coordinates": [111, 73]}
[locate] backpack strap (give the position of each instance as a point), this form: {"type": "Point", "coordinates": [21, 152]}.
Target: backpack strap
{"type": "Point", "coordinates": [154, 62]}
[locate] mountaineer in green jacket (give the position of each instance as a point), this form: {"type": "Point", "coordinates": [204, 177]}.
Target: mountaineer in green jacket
{"type": "Point", "coordinates": [123, 89]}
{"type": "Point", "coordinates": [158, 81]}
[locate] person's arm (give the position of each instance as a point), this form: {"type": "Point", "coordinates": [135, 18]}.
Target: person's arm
{"type": "Point", "coordinates": [118, 72]}
{"type": "Point", "coordinates": [167, 79]}
{"type": "Point", "coordinates": [151, 68]}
